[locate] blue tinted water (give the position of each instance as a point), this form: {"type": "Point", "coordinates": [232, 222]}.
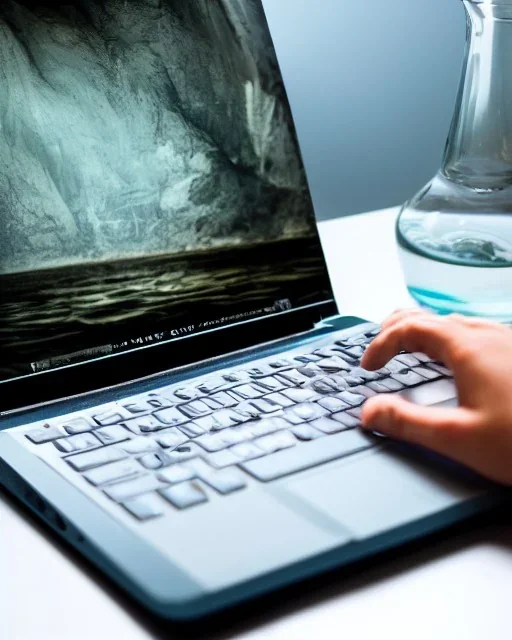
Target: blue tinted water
{"type": "Point", "coordinates": [451, 288]}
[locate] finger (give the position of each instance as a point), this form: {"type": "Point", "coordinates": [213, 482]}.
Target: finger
{"type": "Point", "coordinates": [428, 334]}
{"type": "Point", "coordinates": [402, 314]}
{"type": "Point", "coordinates": [444, 430]}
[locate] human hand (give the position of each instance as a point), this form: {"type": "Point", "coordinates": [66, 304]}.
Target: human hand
{"type": "Point", "coordinates": [478, 433]}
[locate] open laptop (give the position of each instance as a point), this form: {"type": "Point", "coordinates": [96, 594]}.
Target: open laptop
{"type": "Point", "coordinates": [180, 400]}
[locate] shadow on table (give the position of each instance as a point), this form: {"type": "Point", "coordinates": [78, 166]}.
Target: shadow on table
{"type": "Point", "coordinates": [307, 594]}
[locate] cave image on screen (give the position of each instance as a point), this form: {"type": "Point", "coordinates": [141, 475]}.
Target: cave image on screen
{"type": "Point", "coordinates": [150, 177]}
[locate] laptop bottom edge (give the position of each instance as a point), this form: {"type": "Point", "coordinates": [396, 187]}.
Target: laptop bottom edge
{"type": "Point", "coordinates": [163, 588]}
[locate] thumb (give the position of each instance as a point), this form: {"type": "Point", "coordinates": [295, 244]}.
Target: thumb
{"type": "Point", "coordinates": [442, 429]}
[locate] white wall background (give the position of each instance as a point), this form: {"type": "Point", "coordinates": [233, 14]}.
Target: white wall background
{"type": "Point", "coordinates": [372, 84]}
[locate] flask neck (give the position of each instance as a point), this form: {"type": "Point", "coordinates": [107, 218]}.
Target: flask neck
{"type": "Point", "coordinates": [478, 152]}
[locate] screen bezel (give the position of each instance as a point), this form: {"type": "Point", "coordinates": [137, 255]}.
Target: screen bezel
{"type": "Point", "coordinates": [94, 375]}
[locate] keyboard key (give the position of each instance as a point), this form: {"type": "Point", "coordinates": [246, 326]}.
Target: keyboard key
{"type": "Point", "coordinates": [138, 407]}
{"type": "Point", "coordinates": [301, 395]}
{"type": "Point", "coordinates": [367, 376]}
{"type": "Point", "coordinates": [422, 357]}
{"type": "Point", "coordinates": [328, 385]}
{"type": "Point", "coordinates": [226, 418]}
{"type": "Point", "coordinates": [145, 404]}
{"type": "Point", "coordinates": [113, 434]}
{"type": "Point", "coordinates": [145, 507]}
{"type": "Point", "coordinates": [191, 429]}
{"type": "Point", "coordinates": [153, 461]}
{"type": "Point", "coordinates": [308, 357]}
{"type": "Point", "coordinates": [245, 451]}
{"type": "Point", "coordinates": [265, 405]}
{"type": "Point", "coordinates": [391, 384]}
{"type": "Point", "coordinates": [80, 442]}
{"type": "Point", "coordinates": [185, 495]}
{"type": "Point", "coordinates": [356, 352]}
{"type": "Point", "coordinates": [332, 365]}
{"type": "Point", "coordinates": [124, 491]}
{"type": "Point", "coordinates": [186, 393]}
{"type": "Point", "coordinates": [171, 438]}
{"type": "Point", "coordinates": [328, 426]}
{"type": "Point", "coordinates": [224, 399]}
{"type": "Point", "coordinates": [378, 387]}
{"type": "Point", "coordinates": [184, 453]}
{"type": "Point", "coordinates": [225, 458]}
{"type": "Point", "coordinates": [210, 403]}
{"type": "Point", "coordinates": [333, 405]}
{"type": "Point", "coordinates": [235, 435]}
{"type": "Point", "coordinates": [353, 399]}
{"type": "Point", "coordinates": [247, 392]}
{"type": "Point", "coordinates": [280, 363]}
{"type": "Point", "coordinates": [407, 359]}
{"type": "Point", "coordinates": [92, 459]}
{"type": "Point", "coordinates": [350, 361]}
{"type": "Point", "coordinates": [156, 401]}
{"type": "Point", "coordinates": [44, 435]}
{"type": "Point", "coordinates": [305, 412]}
{"type": "Point", "coordinates": [140, 445]}
{"type": "Point", "coordinates": [293, 377]}
{"type": "Point", "coordinates": [310, 370]}
{"type": "Point", "coordinates": [123, 470]}
{"type": "Point", "coordinates": [343, 361]}
{"type": "Point", "coordinates": [111, 416]}
{"type": "Point", "coordinates": [265, 427]}
{"type": "Point", "coordinates": [305, 432]}
{"type": "Point", "coordinates": [171, 416]}
{"type": "Point", "coordinates": [319, 451]}
{"type": "Point", "coordinates": [195, 409]}
{"type": "Point", "coordinates": [372, 332]}
{"type": "Point", "coordinates": [212, 442]}
{"type": "Point", "coordinates": [212, 385]}
{"type": "Point", "coordinates": [344, 380]}
{"type": "Point", "coordinates": [356, 413]}
{"type": "Point", "coordinates": [408, 379]}
{"type": "Point", "coordinates": [394, 366]}
{"type": "Point", "coordinates": [148, 424]}
{"type": "Point", "coordinates": [260, 371]}
{"type": "Point", "coordinates": [440, 369]}
{"type": "Point", "coordinates": [225, 481]}
{"type": "Point", "coordinates": [77, 425]}
{"type": "Point", "coordinates": [177, 473]}
{"type": "Point", "coordinates": [364, 391]}
{"type": "Point", "coordinates": [352, 381]}
{"type": "Point", "coordinates": [326, 352]}
{"type": "Point", "coordinates": [276, 442]}
{"type": "Point", "coordinates": [280, 399]}
{"type": "Point", "coordinates": [239, 376]}
{"type": "Point", "coordinates": [248, 410]}
{"type": "Point", "coordinates": [358, 340]}
{"type": "Point", "coordinates": [207, 424]}
{"type": "Point", "coordinates": [429, 374]}
{"type": "Point", "coordinates": [270, 384]}
{"type": "Point", "coordinates": [348, 421]}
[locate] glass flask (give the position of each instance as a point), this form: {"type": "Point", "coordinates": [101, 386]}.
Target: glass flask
{"type": "Point", "coordinates": [455, 235]}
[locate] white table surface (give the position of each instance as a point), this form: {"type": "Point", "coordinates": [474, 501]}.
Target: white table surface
{"type": "Point", "coordinates": [459, 587]}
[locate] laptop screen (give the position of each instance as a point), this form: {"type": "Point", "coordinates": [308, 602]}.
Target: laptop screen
{"type": "Point", "coordinates": [151, 184]}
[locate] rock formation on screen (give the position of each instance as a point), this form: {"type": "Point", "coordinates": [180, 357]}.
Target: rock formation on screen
{"type": "Point", "coordinates": [137, 127]}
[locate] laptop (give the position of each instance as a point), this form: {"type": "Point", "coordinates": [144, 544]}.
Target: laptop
{"type": "Point", "coordinates": [180, 400]}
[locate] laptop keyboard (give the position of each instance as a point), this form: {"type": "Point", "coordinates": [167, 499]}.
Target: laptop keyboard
{"type": "Point", "coordinates": [265, 420]}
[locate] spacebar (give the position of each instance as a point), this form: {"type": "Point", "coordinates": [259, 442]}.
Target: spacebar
{"type": "Point", "coordinates": [311, 454]}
